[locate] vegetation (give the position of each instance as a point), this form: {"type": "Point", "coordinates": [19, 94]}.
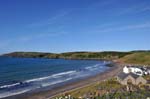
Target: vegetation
{"type": "Point", "coordinates": [141, 94]}
{"type": "Point", "coordinates": [71, 55]}
{"type": "Point", "coordinates": [94, 55]}
{"type": "Point", "coordinates": [109, 89]}
{"type": "Point", "coordinates": [142, 58]}
{"type": "Point", "coordinates": [95, 89]}
{"type": "Point", "coordinates": [32, 55]}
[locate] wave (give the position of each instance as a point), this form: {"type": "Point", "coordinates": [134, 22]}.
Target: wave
{"type": "Point", "coordinates": [38, 79]}
{"type": "Point", "coordinates": [52, 76]}
{"type": "Point", "coordinates": [56, 82]}
{"type": "Point", "coordinates": [93, 67]}
{"type": "Point", "coordinates": [17, 92]}
{"type": "Point", "coordinates": [8, 86]}
{"type": "Point", "coordinates": [63, 73]}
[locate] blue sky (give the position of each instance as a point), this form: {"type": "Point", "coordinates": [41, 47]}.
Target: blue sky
{"type": "Point", "coordinates": [74, 25]}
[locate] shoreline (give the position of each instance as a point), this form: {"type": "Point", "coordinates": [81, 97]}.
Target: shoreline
{"type": "Point", "coordinates": [48, 94]}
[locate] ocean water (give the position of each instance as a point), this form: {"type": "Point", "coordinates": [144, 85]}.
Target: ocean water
{"type": "Point", "coordinates": [20, 75]}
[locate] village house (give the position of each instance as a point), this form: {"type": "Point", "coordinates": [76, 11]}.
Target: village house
{"type": "Point", "coordinates": [130, 78]}
{"type": "Point", "coordinates": [138, 70]}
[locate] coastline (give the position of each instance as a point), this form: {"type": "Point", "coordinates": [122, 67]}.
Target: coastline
{"type": "Point", "coordinates": [48, 94]}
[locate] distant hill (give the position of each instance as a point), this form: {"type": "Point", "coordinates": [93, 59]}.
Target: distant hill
{"type": "Point", "coordinates": [32, 55]}
{"type": "Point", "coordinates": [109, 55]}
{"type": "Point", "coordinates": [132, 57]}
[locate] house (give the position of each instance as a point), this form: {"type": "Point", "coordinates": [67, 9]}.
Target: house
{"type": "Point", "coordinates": [134, 69]}
{"type": "Point", "coordinates": [126, 70]}
{"type": "Point", "coordinates": [130, 78]}
{"type": "Point", "coordinates": [146, 70]}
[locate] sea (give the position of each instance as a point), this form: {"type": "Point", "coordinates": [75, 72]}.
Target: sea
{"type": "Point", "coordinates": [22, 75]}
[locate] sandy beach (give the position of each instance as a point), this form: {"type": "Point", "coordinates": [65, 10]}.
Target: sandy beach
{"type": "Point", "coordinates": [48, 94]}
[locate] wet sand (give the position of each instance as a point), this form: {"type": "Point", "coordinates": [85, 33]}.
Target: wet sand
{"type": "Point", "coordinates": [48, 94]}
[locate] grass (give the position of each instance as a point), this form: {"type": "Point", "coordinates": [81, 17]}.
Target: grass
{"type": "Point", "coordinates": [93, 89]}
{"type": "Point", "coordinates": [109, 89]}
{"type": "Point", "coordinates": [141, 58]}
{"type": "Point", "coordinates": [141, 94]}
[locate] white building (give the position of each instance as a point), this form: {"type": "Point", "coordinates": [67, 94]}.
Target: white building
{"type": "Point", "coordinates": [134, 70]}
{"type": "Point", "coordinates": [126, 70]}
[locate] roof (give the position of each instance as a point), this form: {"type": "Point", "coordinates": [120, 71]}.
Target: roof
{"type": "Point", "coordinates": [123, 75]}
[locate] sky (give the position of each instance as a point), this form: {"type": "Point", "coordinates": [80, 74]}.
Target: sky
{"type": "Point", "coordinates": [74, 25]}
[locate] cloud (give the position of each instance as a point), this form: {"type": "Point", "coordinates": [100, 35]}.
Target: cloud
{"type": "Point", "coordinates": [27, 38]}
{"type": "Point", "coordinates": [138, 8]}
{"type": "Point", "coordinates": [33, 35]}
{"type": "Point", "coordinates": [41, 35]}
{"type": "Point", "coordinates": [100, 3]}
{"type": "Point", "coordinates": [50, 20]}
{"type": "Point", "coordinates": [124, 28]}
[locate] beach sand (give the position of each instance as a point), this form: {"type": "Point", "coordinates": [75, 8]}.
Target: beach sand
{"type": "Point", "coordinates": [48, 94]}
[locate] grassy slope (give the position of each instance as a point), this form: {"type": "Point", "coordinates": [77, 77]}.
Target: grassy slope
{"type": "Point", "coordinates": [142, 58]}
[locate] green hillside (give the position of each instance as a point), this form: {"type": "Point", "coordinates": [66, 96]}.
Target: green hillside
{"type": "Point", "coordinates": [137, 58]}
{"type": "Point", "coordinates": [32, 55]}
{"type": "Point", "coordinates": [110, 55]}
{"type": "Point", "coordinates": [95, 55]}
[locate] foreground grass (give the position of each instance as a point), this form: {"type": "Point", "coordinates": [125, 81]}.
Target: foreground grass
{"type": "Point", "coordinates": [109, 89]}
{"type": "Point", "coordinates": [141, 94]}
{"type": "Point", "coordinates": [95, 89]}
